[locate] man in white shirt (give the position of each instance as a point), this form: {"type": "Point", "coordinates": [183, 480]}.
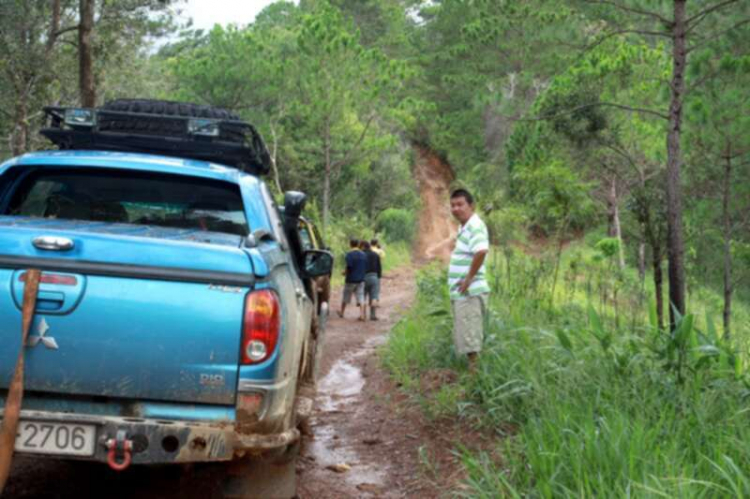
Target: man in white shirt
{"type": "Point", "coordinates": [466, 277]}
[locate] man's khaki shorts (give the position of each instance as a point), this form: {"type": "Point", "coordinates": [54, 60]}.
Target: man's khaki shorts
{"type": "Point", "coordinates": [468, 323]}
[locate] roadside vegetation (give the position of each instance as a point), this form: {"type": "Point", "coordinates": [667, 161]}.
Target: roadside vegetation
{"type": "Point", "coordinates": [582, 393]}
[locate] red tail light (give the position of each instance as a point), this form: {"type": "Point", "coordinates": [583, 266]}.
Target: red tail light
{"type": "Point", "coordinates": [260, 328]}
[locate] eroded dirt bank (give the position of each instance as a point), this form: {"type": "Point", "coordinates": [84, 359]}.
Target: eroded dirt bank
{"type": "Point", "coordinates": [436, 227]}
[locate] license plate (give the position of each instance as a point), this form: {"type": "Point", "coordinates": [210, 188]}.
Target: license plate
{"type": "Point", "coordinates": [56, 438]}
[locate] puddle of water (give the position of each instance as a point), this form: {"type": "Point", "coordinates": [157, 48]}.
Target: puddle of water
{"type": "Point", "coordinates": [330, 451]}
{"type": "Point", "coordinates": [344, 380]}
{"type": "Point", "coordinates": [342, 386]}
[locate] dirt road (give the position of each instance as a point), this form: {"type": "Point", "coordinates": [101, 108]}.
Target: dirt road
{"type": "Point", "coordinates": [366, 441]}
{"type": "Point", "coordinates": [363, 443]}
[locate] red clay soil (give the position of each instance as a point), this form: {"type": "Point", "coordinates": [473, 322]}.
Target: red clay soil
{"type": "Point", "coordinates": [436, 226]}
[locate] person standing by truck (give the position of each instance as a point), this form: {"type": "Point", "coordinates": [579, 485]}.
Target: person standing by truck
{"type": "Point", "coordinates": [466, 277]}
{"type": "Point", "coordinates": [356, 267]}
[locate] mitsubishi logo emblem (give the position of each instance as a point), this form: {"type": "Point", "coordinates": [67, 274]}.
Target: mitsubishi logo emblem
{"type": "Point", "coordinates": [47, 341]}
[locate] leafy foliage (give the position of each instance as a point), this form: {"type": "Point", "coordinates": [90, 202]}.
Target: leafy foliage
{"type": "Point", "coordinates": [397, 224]}
{"type": "Point", "coordinates": [580, 405]}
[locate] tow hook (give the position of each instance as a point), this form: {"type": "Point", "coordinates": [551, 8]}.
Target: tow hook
{"type": "Point", "coordinates": [120, 450]}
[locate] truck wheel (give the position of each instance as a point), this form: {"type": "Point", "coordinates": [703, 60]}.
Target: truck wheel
{"type": "Point", "coordinates": [309, 374]}
{"type": "Point", "coordinates": [325, 289]}
{"type": "Point", "coordinates": [143, 125]}
{"type": "Point", "coordinates": [308, 362]}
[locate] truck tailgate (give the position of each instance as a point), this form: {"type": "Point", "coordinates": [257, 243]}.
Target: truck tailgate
{"type": "Point", "coordinates": [125, 317]}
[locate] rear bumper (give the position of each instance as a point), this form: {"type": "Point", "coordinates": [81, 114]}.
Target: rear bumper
{"type": "Point", "coordinates": [163, 442]}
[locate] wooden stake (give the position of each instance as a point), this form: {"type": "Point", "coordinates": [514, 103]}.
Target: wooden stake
{"type": "Point", "coordinates": [15, 393]}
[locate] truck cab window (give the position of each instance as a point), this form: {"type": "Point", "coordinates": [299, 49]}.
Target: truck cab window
{"type": "Point", "coordinates": [118, 196]}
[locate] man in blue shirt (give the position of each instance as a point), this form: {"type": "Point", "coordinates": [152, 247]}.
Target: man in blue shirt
{"type": "Point", "coordinates": [356, 267]}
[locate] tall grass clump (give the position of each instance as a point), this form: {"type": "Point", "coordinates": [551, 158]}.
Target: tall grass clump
{"type": "Point", "coordinates": [423, 339]}
{"type": "Point", "coordinates": [582, 392]}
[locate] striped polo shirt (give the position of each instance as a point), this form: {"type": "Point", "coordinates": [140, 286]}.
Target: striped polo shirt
{"type": "Point", "coordinates": [472, 237]}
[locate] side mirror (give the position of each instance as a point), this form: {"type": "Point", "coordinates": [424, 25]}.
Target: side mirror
{"type": "Point", "coordinates": [294, 202]}
{"type": "Point", "coordinates": [318, 263]}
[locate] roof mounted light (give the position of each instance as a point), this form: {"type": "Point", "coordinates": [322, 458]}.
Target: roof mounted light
{"type": "Point", "coordinates": [80, 117]}
{"type": "Point", "coordinates": [204, 127]}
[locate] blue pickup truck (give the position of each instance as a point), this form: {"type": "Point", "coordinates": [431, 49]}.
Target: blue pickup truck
{"type": "Point", "coordinates": [176, 317]}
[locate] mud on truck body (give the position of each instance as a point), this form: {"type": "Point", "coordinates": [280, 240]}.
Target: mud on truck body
{"type": "Point", "coordinates": [177, 313]}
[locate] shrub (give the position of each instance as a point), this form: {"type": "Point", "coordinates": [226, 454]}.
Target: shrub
{"type": "Point", "coordinates": [396, 224]}
{"type": "Point", "coordinates": [608, 247]}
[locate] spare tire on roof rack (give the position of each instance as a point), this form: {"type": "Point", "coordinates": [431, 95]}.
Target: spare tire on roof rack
{"type": "Point", "coordinates": [169, 128]}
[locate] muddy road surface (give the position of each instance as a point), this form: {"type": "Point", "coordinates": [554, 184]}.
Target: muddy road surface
{"type": "Point", "coordinates": [363, 442]}
{"type": "Point", "coordinates": [360, 440]}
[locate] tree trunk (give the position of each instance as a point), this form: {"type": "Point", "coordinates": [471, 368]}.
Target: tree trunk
{"type": "Point", "coordinates": [54, 27]}
{"type": "Point", "coordinates": [328, 173]}
{"type": "Point", "coordinates": [19, 143]}
{"type": "Point", "coordinates": [727, 222]}
{"type": "Point", "coordinates": [274, 155]}
{"type": "Point", "coordinates": [641, 262]}
{"type": "Point", "coordinates": [610, 213]}
{"type": "Point", "coordinates": [86, 83]}
{"type": "Point", "coordinates": [675, 244]}
{"type": "Point", "coordinates": [616, 223]}
{"type": "Point", "coordinates": [658, 285]}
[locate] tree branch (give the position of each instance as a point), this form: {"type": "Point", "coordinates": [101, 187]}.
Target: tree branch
{"type": "Point", "coordinates": [351, 151]}
{"type": "Point", "coordinates": [625, 32]}
{"type": "Point", "coordinates": [717, 35]}
{"type": "Point", "coordinates": [632, 10]}
{"type": "Point", "coordinates": [697, 18]}
{"type": "Point", "coordinates": [71, 43]}
{"type": "Point", "coordinates": [703, 79]}
{"type": "Point", "coordinates": [585, 106]}
{"type": "Point", "coordinates": [66, 30]}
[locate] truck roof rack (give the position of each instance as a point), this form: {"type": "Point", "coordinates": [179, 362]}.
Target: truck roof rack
{"type": "Point", "coordinates": [172, 129]}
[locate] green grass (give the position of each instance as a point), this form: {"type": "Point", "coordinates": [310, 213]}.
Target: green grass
{"type": "Point", "coordinates": [582, 395]}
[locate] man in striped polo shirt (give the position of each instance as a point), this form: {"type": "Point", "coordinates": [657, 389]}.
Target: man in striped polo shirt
{"type": "Point", "coordinates": [466, 277]}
